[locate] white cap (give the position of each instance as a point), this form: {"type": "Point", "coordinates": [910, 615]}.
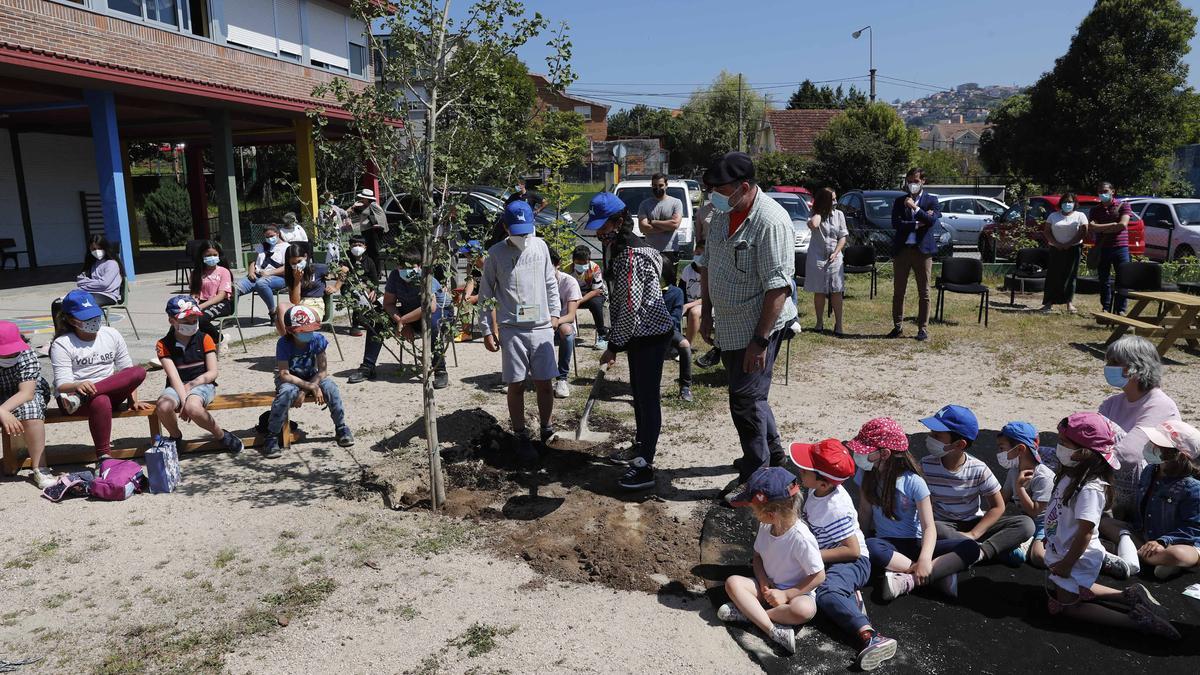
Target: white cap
{"type": "Point", "coordinates": [1175, 434]}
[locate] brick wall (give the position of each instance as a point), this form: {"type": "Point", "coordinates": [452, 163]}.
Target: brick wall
{"type": "Point", "coordinates": [81, 34]}
{"type": "Point", "coordinates": [596, 130]}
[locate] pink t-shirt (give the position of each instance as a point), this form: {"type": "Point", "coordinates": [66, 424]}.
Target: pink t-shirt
{"type": "Point", "coordinates": [1148, 411]}
{"type": "Point", "coordinates": [214, 282]}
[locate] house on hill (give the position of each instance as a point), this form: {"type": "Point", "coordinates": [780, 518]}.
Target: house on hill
{"type": "Point", "coordinates": [595, 115]}
{"type": "Point", "coordinates": [791, 131]}
{"type": "Point", "coordinates": [959, 136]}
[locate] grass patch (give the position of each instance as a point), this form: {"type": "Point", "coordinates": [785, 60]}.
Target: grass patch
{"type": "Point", "coordinates": [446, 535]}
{"type": "Point", "coordinates": [224, 557]}
{"type": "Point", "coordinates": [302, 595]}
{"type": "Point", "coordinates": [37, 553]}
{"type": "Point", "coordinates": [480, 638]}
{"type": "Point", "coordinates": [57, 600]}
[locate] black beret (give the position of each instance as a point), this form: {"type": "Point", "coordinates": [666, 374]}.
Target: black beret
{"type": "Point", "coordinates": [734, 167]}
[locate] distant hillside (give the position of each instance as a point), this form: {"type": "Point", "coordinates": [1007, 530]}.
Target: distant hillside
{"type": "Point", "coordinates": [970, 100]}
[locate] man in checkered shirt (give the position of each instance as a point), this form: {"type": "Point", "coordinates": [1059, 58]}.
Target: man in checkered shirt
{"type": "Point", "coordinates": [746, 279]}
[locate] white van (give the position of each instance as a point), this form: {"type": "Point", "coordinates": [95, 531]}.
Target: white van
{"type": "Point", "coordinates": [634, 192]}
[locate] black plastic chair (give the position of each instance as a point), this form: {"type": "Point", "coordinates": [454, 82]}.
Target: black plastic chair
{"type": "Point", "coordinates": [861, 260]}
{"type": "Point", "coordinates": [184, 265]}
{"type": "Point", "coordinates": [1139, 276]}
{"type": "Point", "coordinates": [1028, 274]}
{"type": "Point", "coordinates": [962, 275]}
{"type": "Point", "coordinates": [801, 264]}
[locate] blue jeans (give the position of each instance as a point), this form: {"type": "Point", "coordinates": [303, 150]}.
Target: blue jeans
{"type": "Point", "coordinates": [566, 347]}
{"type": "Point", "coordinates": [751, 411]}
{"type": "Point", "coordinates": [286, 394]}
{"type": "Point", "coordinates": [265, 287]}
{"type": "Point", "coordinates": [836, 597]}
{"type": "Point", "coordinates": [1110, 258]}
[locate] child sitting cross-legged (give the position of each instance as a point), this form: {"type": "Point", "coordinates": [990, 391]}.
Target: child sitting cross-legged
{"type": "Point", "coordinates": [1087, 454]}
{"type": "Point", "coordinates": [301, 368]}
{"type": "Point", "coordinates": [1027, 487]}
{"type": "Point", "coordinates": [189, 360]}
{"type": "Point", "coordinates": [787, 562]}
{"type": "Point", "coordinates": [829, 513]}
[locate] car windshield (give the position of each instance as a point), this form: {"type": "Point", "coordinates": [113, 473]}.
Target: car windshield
{"type": "Point", "coordinates": [692, 185]}
{"type": "Point", "coordinates": [795, 206]}
{"type": "Point", "coordinates": [634, 196]}
{"type": "Point", "coordinates": [1188, 213]}
{"type": "Point", "coordinates": [878, 208]}
{"type": "Point", "coordinates": [990, 208]}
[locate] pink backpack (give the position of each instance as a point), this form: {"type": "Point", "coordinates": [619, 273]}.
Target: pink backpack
{"type": "Point", "coordinates": [119, 479]}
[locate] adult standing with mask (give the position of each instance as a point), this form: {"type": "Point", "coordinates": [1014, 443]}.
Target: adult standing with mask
{"type": "Point", "coordinates": [746, 278]}
{"type": "Point", "coordinates": [1110, 223]}
{"type": "Point", "coordinates": [914, 217]}
{"type": "Point", "coordinates": [370, 221]}
{"type": "Point", "coordinates": [518, 274]}
{"type": "Point", "coordinates": [659, 217]}
{"type": "Point", "coordinates": [1064, 231]}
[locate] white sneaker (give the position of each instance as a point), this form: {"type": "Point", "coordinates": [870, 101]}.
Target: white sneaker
{"type": "Point", "coordinates": [948, 585]}
{"type": "Point", "coordinates": [561, 389]}
{"type": "Point", "coordinates": [896, 584]}
{"type": "Point", "coordinates": [785, 637]}
{"type": "Point", "coordinates": [729, 613]}
{"type": "Point", "coordinates": [70, 402]}
{"type": "Point", "coordinates": [43, 479]}
{"type": "Point", "coordinates": [601, 344]}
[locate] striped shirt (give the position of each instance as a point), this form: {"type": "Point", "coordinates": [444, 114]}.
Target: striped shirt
{"type": "Point", "coordinates": [832, 519]}
{"type": "Point", "coordinates": [956, 494]}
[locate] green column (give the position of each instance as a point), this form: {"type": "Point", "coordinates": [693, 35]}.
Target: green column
{"type": "Point", "coordinates": [226, 186]}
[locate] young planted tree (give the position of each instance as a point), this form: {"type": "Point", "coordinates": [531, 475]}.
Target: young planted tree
{"type": "Point", "coordinates": [431, 128]}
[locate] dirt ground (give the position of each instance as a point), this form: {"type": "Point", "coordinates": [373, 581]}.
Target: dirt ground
{"type": "Point", "coordinates": [327, 559]}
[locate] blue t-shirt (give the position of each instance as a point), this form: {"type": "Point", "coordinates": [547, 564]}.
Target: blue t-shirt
{"type": "Point", "coordinates": [301, 359]}
{"type": "Point", "coordinates": [673, 298]}
{"type": "Point", "coordinates": [910, 489]}
{"type": "Point", "coordinates": [408, 295]}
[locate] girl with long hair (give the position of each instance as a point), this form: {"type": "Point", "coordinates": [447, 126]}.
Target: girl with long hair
{"type": "Point", "coordinates": [212, 285]}
{"type": "Point", "coordinates": [101, 273]}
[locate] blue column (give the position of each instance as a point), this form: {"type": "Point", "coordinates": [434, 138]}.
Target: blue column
{"type": "Point", "coordinates": [110, 173]}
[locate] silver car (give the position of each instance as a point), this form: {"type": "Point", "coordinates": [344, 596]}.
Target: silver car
{"type": "Point", "coordinates": [964, 216]}
{"type": "Point", "coordinates": [798, 210]}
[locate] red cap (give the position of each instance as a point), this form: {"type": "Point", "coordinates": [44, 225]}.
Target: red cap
{"type": "Point", "coordinates": [829, 458]}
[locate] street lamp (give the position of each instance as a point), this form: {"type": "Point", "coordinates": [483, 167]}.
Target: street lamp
{"type": "Point", "coordinates": [871, 41]}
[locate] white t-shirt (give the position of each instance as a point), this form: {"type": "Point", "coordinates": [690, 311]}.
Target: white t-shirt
{"type": "Point", "coordinates": [789, 557]}
{"type": "Point", "coordinates": [568, 291]}
{"type": "Point", "coordinates": [1066, 227]}
{"type": "Point", "coordinates": [1062, 524]}
{"type": "Point", "coordinates": [691, 282]}
{"type": "Point", "coordinates": [74, 360]}
{"type": "Point", "coordinates": [297, 233]}
{"type": "Point", "coordinates": [833, 519]}
{"type": "Point", "coordinates": [278, 256]}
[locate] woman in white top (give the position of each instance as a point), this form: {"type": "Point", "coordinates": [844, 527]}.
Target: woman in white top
{"type": "Point", "coordinates": [291, 230]}
{"type": "Point", "coordinates": [1064, 231]}
{"type": "Point", "coordinates": [823, 272]}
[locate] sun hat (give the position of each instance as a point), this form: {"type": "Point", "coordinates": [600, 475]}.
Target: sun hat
{"type": "Point", "coordinates": [828, 458]}
{"type": "Point", "coordinates": [1169, 434]}
{"type": "Point", "coordinates": [301, 319]}
{"type": "Point", "coordinates": [603, 206]}
{"type": "Point", "coordinates": [518, 216]}
{"type": "Point", "coordinates": [1091, 430]}
{"type": "Point", "coordinates": [81, 305]}
{"type": "Point", "coordinates": [183, 306]}
{"type": "Point", "coordinates": [366, 193]}
{"type": "Point", "coordinates": [10, 339]}
{"type": "Point", "coordinates": [768, 484]}
{"type": "Point", "coordinates": [955, 419]}
{"type": "Point", "coordinates": [881, 433]}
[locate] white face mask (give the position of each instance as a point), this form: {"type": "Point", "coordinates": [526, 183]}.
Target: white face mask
{"type": "Point", "coordinates": [519, 240]}
{"type": "Point", "coordinates": [935, 447]}
{"type": "Point", "coordinates": [1003, 460]}
{"type": "Point", "coordinates": [10, 362]}
{"type": "Point", "coordinates": [357, 251]}
{"type": "Point", "coordinates": [98, 254]}
{"type": "Point", "coordinates": [1064, 455]}
{"type": "Point", "coordinates": [914, 188]}
{"type": "Point", "coordinates": [862, 462]}
{"type": "Point", "coordinates": [187, 329]}
{"type": "Point", "coordinates": [299, 267]}
{"type": "Point", "coordinates": [91, 325]}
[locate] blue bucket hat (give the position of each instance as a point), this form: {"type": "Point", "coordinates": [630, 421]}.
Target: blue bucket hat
{"type": "Point", "coordinates": [518, 216]}
{"type": "Point", "coordinates": [81, 305]}
{"type": "Point", "coordinates": [1021, 433]}
{"type": "Point", "coordinates": [955, 419]}
{"type": "Point", "coordinates": [604, 205]}
{"type": "Point", "coordinates": [768, 484]}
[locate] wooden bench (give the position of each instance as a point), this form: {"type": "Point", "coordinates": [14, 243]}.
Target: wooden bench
{"type": "Point", "coordinates": [16, 459]}
{"type": "Point", "coordinates": [1139, 327]}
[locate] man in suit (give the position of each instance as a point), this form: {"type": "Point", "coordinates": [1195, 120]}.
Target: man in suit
{"type": "Point", "coordinates": [915, 218]}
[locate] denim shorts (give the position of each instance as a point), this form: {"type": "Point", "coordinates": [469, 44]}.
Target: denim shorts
{"type": "Point", "coordinates": [206, 392]}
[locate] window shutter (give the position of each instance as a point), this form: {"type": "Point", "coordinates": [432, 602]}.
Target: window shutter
{"type": "Point", "coordinates": [251, 23]}
{"type": "Point", "coordinates": [287, 22]}
{"type": "Point", "coordinates": [327, 41]}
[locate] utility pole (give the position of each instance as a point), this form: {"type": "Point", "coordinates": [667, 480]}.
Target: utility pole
{"type": "Point", "coordinates": [741, 115]}
{"type": "Point", "coordinates": [871, 53]}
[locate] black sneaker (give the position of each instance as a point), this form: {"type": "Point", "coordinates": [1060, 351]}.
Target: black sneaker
{"type": "Point", "coordinates": [546, 433]}
{"type": "Point", "coordinates": [709, 358]}
{"type": "Point", "coordinates": [360, 375]}
{"type": "Point", "coordinates": [626, 455]}
{"type": "Point", "coordinates": [232, 443]}
{"type": "Point", "coordinates": [639, 476]}
{"type": "Point", "coordinates": [527, 455]}
{"type": "Point", "coordinates": [344, 437]}
{"type": "Point", "coordinates": [922, 335]}
{"type": "Point", "coordinates": [685, 394]}
{"type": "Point", "coordinates": [271, 449]}
{"type": "Point", "coordinates": [897, 331]}
{"type": "Point", "coordinates": [441, 380]}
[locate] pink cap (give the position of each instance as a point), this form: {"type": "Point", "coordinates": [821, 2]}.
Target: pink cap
{"type": "Point", "coordinates": [881, 433]}
{"type": "Point", "coordinates": [1091, 430]}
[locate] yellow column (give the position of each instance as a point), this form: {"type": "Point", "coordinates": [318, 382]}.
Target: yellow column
{"type": "Point", "coordinates": [306, 168]}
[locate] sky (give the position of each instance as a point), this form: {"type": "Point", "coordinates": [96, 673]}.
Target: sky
{"type": "Point", "coordinates": [658, 51]}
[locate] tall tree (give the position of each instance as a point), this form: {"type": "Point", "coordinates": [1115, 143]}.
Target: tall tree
{"type": "Point", "coordinates": [641, 120]}
{"type": "Point", "coordinates": [868, 147]}
{"type": "Point", "coordinates": [1113, 106]}
{"type": "Point", "coordinates": [708, 124]}
{"type": "Point", "coordinates": [809, 96]}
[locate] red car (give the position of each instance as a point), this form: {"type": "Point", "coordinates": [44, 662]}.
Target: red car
{"type": "Point", "coordinates": [999, 239]}
{"type": "Point", "coordinates": [803, 192]}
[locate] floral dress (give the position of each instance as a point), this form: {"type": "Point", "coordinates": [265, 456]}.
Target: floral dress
{"type": "Point", "coordinates": [821, 276]}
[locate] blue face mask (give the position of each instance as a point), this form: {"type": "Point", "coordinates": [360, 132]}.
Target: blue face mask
{"type": "Point", "coordinates": [211, 260]}
{"type": "Point", "coordinates": [1106, 197]}
{"type": "Point", "coordinates": [303, 338]}
{"type": "Point", "coordinates": [409, 274]}
{"type": "Point", "coordinates": [721, 203]}
{"type": "Point", "coordinates": [1067, 207]}
{"type": "Point", "coordinates": [699, 259]}
{"type": "Point", "coordinates": [271, 241]}
{"type": "Point", "coordinates": [581, 269]}
{"type": "Point", "coordinates": [1115, 376]}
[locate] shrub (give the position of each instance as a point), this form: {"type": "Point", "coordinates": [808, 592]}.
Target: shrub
{"type": "Point", "coordinates": [168, 214]}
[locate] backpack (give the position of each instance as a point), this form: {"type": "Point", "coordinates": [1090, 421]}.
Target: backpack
{"type": "Point", "coordinates": [70, 485]}
{"type": "Point", "coordinates": [162, 466]}
{"type": "Point", "coordinates": [264, 424]}
{"type": "Point", "coordinates": [119, 479]}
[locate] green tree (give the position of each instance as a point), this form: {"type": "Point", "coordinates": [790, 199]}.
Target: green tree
{"type": "Point", "coordinates": [641, 120]}
{"type": "Point", "coordinates": [1113, 106]}
{"type": "Point", "coordinates": [941, 166]}
{"type": "Point", "coordinates": [781, 168]}
{"type": "Point", "coordinates": [868, 147]}
{"type": "Point", "coordinates": [708, 123]}
{"type": "Point", "coordinates": [810, 96]}
{"type": "Point", "coordinates": [168, 214]}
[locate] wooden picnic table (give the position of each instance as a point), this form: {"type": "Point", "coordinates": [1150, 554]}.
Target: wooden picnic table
{"type": "Point", "coordinates": [1178, 318]}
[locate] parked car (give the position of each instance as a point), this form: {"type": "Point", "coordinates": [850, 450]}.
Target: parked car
{"type": "Point", "coordinates": [964, 216]}
{"type": "Point", "coordinates": [998, 240]}
{"type": "Point", "coordinates": [869, 219]}
{"type": "Point", "coordinates": [634, 192]}
{"type": "Point", "coordinates": [803, 192]}
{"type": "Point", "coordinates": [1171, 224]}
{"type": "Point", "coordinates": [800, 214]}
{"type": "Point", "coordinates": [694, 191]}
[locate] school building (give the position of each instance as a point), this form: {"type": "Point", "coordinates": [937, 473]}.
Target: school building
{"type": "Point", "coordinates": [82, 79]}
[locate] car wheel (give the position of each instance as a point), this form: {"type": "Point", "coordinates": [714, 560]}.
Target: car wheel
{"type": "Point", "coordinates": [1184, 251]}
{"type": "Point", "coordinates": [987, 250]}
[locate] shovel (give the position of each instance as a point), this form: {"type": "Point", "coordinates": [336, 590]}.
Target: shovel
{"type": "Point", "coordinates": [584, 437]}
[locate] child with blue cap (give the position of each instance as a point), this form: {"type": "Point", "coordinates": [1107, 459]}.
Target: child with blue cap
{"type": "Point", "coordinates": [967, 503]}
{"type": "Point", "coordinates": [1027, 487]}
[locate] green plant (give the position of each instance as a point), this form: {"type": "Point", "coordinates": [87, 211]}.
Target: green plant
{"type": "Point", "coordinates": [168, 214]}
{"type": "Point", "coordinates": [1182, 269]}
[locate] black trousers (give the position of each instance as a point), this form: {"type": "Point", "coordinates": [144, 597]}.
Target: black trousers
{"type": "Point", "coordinates": [596, 307]}
{"type": "Point", "coordinates": [645, 379]}
{"type": "Point", "coordinates": [751, 413]}
{"type": "Point", "coordinates": [211, 313]}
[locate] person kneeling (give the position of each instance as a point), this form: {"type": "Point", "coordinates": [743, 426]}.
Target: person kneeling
{"type": "Point", "coordinates": [787, 562]}
{"type": "Point", "coordinates": [189, 360]}
{"type": "Point", "coordinates": [301, 366]}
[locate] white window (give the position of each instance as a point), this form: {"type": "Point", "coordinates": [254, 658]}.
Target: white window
{"type": "Point", "coordinates": [327, 40]}
{"type": "Point", "coordinates": [585, 111]}
{"type": "Point", "coordinates": [251, 23]}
